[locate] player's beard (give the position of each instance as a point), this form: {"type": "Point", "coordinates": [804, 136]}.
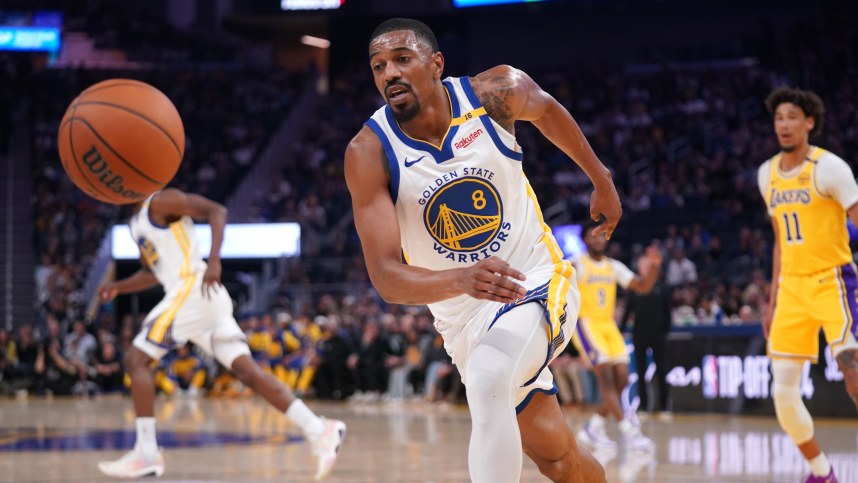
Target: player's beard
{"type": "Point", "coordinates": [407, 113]}
{"type": "Point", "coordinates": [788, 149]}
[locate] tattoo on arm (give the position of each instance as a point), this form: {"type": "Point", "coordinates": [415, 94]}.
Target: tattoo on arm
{"type": "Point", "coordinates": [494, 97]}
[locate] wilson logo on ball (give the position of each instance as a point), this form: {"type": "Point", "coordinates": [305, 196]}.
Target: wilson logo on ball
{"type": "Point", "coordinates": [96, 164]}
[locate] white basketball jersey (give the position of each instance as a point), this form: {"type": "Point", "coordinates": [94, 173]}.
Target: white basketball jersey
{"type": "Point", "coordinates": [467, 199]}
{"type": "Point", "coordinates": [171, 252]}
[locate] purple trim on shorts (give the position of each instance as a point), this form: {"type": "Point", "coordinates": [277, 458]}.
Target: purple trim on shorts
{"type": "Point", "coordinates": [588, 349]}
{"type": "Point", "coordinates": [850, 285]}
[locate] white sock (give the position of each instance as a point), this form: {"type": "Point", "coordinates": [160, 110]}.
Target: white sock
{"type": "Point", "coordinates": [146, 444]}
{"type": "Point", "coordinates": [626, 426]}
{"type": "Point", "coordinates": [300, 414]}
{"type": "Point", "coordinates": [820, 466]}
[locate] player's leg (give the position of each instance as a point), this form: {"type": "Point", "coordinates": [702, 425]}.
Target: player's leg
{"type": "Point", "coordinates": [512, 351]}
{"type": "Point", "coordinates": [793, 340]}
{"type": "Point", "coordinates": [848, 362]}
{"type": "Point", "coordinates": [841, 323]}
{"type": "Point", "coordinates": [149, 345]}
{"type": "Point", "coordinates": [227, 343]}
{"type": "Point", "coordinates": [547, 440]}
{"type": "Point", "coordinates": [592, 344]}
{"type": "Point", "coordinates": [792, 414]}
{"type": "Point", "coordinates": [632, 436]}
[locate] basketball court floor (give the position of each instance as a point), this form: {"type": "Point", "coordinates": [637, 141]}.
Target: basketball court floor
{"type": "Point", "coordinates": [62, 439]}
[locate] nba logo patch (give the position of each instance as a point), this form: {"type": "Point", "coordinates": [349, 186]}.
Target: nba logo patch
{"type": "Point", "coordinates": [710, 377]}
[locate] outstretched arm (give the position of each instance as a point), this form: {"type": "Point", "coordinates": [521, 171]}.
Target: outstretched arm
{"type": "Point", "coordinates": [510, 95]}
{"type": "Point", "coordinates": [377, 226]}
{"type": "Point", "coordinates": [172, 204]}
{"type": "Point", "coordinates": [650, 267]}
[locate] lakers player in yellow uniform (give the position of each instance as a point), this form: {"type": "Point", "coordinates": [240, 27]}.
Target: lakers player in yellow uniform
{"type": "Point", "coordinates": [809, 192]}
{"type": "Point", "coordinates": [437, 175]}
{"type": "Point", "coordinates": [196, 308]}
{"type": "Point", "coordinates": [599, 340]}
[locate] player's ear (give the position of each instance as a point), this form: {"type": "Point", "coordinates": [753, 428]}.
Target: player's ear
{"type": "Point", "coordinates": [810, 123]}
{"type": "Point", "coordinates": [438, 61]}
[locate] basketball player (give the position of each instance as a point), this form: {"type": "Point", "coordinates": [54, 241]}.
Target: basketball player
{"type": "Point", "coordinates": [436, 180]}
{"type": "Point", "coordinates": [196, 308]}
{"type": "Point", "coordinates": [808, 193]}
{"type": "Point", "coordinates": [599, 340]}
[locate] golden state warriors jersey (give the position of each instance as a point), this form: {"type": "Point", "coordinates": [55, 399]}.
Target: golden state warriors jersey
{"type": "Point", "coordinates": [811, 225]}
{"type": "Point", "coordinates": [171, 252]}
{"type": "Point", "coordinates": [466, 199]}
{"type": "Point", "coordinates": [597, 282]}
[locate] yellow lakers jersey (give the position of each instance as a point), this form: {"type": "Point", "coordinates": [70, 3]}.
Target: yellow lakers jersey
{"type": "Point", "coordinates": [811, 226]}
{"type": "Point", "coordinates": [597, 282]}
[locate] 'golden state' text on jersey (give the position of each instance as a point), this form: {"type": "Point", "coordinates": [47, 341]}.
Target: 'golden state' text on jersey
{"type": "Point", "coordinates": [171, 252]}
{"type": "Point", "coordinates": [467, 200]}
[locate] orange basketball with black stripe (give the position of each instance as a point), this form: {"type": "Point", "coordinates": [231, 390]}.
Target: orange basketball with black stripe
{"type": "Point", "coordinates": [121, 140]}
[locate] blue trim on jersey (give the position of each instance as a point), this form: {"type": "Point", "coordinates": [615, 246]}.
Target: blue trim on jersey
{"type": "Point", "coordinates": [446, 151]}
{"type": "Point", "coordinates": [549, 392]}
{"type": "Point", "coordinates": [391, 158]}
{"type": "Point", "coordinates": [487, 122]}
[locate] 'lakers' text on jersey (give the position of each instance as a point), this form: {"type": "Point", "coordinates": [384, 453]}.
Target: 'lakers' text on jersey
{"type": "Point", "coordinates": [171, 252]}
{"type": "Point", "coordinates": [809, 208]}
{"type": "Point", "coordinates": [467, 199]}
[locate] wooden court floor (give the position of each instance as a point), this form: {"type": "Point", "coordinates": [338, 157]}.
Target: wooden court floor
{"type": "Point", "coordinates": [62, 439]}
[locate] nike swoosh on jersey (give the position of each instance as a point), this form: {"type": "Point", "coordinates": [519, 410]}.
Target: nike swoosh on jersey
{"type": "Point", "coordinates": [409, 164]}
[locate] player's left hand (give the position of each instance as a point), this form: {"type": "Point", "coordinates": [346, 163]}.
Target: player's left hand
{"type": "Point", "coordinates": [211, 279]}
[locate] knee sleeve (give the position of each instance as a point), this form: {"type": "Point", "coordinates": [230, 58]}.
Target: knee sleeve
{"type": "Point", "coordinates": [791, 411]}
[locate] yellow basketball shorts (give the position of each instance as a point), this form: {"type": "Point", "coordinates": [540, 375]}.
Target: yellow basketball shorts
{"type": "Point", "coordinates": [600, 342]}
{"type": "Point", "coordinates": [806, 303]}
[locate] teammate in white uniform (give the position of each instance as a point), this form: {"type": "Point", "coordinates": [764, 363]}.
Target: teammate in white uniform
{"type": "Point", "coordinates": [195, 308]}
{"type": "Point", "coordinates": [436, 178]}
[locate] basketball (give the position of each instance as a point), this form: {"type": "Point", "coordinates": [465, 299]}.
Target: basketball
{"type": "Point", "coordinates": [121, 140]}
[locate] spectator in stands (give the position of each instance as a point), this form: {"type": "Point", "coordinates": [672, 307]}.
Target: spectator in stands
{"type": "Point", "coordinates": [107, 369]}
{"type": "Point", "coordinates": [680, 270]}
{"type": "Point", "coordinates": [368, 363]}
{"type": "Point", "coordinates": [28, 352]}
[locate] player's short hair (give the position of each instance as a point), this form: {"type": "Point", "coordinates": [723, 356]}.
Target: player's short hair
{"type": "Point", "coordinates": [587, 227]}
{"type": "Point", "coordinates": [807, 101]}
{"type": "Point", "coordinates": [421, 31]}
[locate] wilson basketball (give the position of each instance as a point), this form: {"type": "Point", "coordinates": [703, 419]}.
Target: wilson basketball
{"type": "Point", "coordinates": [121, 140]}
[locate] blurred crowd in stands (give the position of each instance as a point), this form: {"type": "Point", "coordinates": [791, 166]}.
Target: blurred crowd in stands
{"type": "Point", "coordinates": [683, 142]}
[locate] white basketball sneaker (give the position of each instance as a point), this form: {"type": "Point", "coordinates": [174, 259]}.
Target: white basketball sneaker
{"type": "Point", "coordinates": [326, 445]}
{"type": "Point", "coordinates": [636, 441]}
{"type": "Point", "coordinates": [594, 436]}
{"type": "Point", "coordinates": [133, 465]}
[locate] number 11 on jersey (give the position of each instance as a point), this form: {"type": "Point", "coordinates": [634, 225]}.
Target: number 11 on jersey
{"type": "Point", "coordinates": [793, 229]}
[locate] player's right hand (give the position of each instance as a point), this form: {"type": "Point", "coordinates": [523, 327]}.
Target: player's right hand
{"type": "Point", "coordinates": [767, 321]}
{"type": "Point", "coordinates": [605, 201]}
{"type": "Point", "coordinates": [108, 292]}
{"type": "Point", "coordinates": [493, 279]}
